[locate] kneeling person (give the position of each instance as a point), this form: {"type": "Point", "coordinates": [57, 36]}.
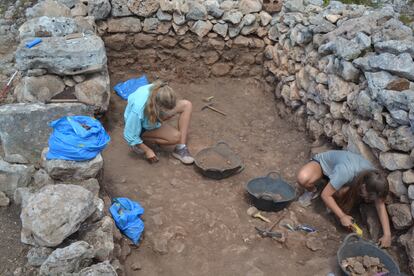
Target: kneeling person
{"type": "Point", "coordinates": [351, 178]}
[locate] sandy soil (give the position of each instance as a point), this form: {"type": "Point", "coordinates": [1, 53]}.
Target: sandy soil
{"type": "Point", "coordinates": [199, 226]}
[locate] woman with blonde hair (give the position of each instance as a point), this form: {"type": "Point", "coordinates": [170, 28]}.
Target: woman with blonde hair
{"type": "Point", "coordinates": [147, 108]}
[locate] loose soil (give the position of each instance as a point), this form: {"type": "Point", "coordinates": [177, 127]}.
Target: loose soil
{"type": "Point", "coordinates": [199, 226]}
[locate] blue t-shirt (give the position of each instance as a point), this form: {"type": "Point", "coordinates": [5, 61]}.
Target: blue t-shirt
{"type": "Point", "coordinates": [135, 118]}
{"type": "Point", "coordinates": [342, 166]}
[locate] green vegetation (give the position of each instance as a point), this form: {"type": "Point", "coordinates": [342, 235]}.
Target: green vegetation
{"type": "Point", "coordinates": [406, 19]}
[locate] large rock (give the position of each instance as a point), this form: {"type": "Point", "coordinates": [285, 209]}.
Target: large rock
{"type": "Point", "coordinates": [250, 6]}
{"type": "Point", "coordinates": [396, 161]}
{"type": "Point", "coordinates": [124, 25]}
{"type": "Point", "coordinates": [100, 9]}
{"type": "Point", "coordinates": [24, 127]}
{"type": "Point", "coordinates": [397, 186]}
{"type": "Point", "coordinates": [38, 89]}
{"type": "Point", "coordinates": [48, 8]}
{"type": "Point", "coordinates": [338, 88]}
{"type": "Point", "coordinates": [400, 215]}
{"type": "Point", "coordinates": [356, 145]}
{"type": "Point", "coordinates": [13, 176]}
{"type": "Point", "coordinates": [100, 269]}
{"type": "Point", "coordinates": [202, 28]}
{"type": "Point", "coordinates": [370, 216]}
{"type": "Point", "coordinates": [63, 57]}
{"type": "Point", "coordinates": [407, 241]}
{"type": "Point", "coordinates": [68, 260]}
{"type": "Point", "coordinates": [401, 139]}
{"type": "Point", "coordinates": [196, 11]}
{"type": "Point", "coordinates": [120, 8]}
{"type": "Point", "coordinates": [144, 8]}
{"type": "Point", "coordinates": [395, 47]}
{"type": "Point", "coordinates": [72, 170]}
{"type": "Point", "coordinates": [401, 65]}
{"type": "Point", "coordinates": [374, 140]}
{"type": "Point", "coordinates": [51, 26]}
{"type": "Point", "coordinates": [54, 213]}
{"type": "Point", "coordinates": [95, 91]}
{"type": "Point", "coordinates": [100, 237]}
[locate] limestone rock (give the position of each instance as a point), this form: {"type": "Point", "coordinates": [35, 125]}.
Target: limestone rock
{"type": "Point", "coordinates": [124, 25]}
{"type": "Point", "coordinates": [273, 33]}
{"type": "Point", "coordinates": [68, 260]}
{"type": "Point", "coordinates": [24, 127]}
{"type": "Point", "coordinates": [4, 200]}
{"type": "Point", "coordinates": [395, 47]}
{"type": "Point", "coordinates": [221, 29]}
{"type": "Point", "coordinates": [67, 170]}
{"type": "Point", "coordinates": [144, 8]}
{"type": "Point", "coordinates": [63, 57]}
{"type": "Point", "coordinates": [396, 161]}
{"type": "Point", "coordinates": [48, 8]}
{"type": "Point", "coordinates": [369, 214]}
{"type": "Point", "coordinates": [401, 65]}
{"type": "Point", "coordinates": [41, 179]}
{"type": "Point", "coordinates": [151, 25]}
{"type": "Point", "coordinates": [54, 213]}
{"type": "Point", "coordinates": [38, 255]}
{"type": "Point", "coordinates": [347, 71]}
{"type": "Point", "coordinates": [202, 28]}
{"type": "Point", "coordinates": [101, 269]}
{"type": "Point", "coordinates": [356, 145]}
{"type": "Point", "coordinates": [232, 16]}
{"type": "Point", "coordinates": [95, 91]}
{"type": "Point", "coordinates": [250, 6]}
{"type": "Point", "coordinates": [197, 11]}
{"type": "Point", "coordinates": [45, 26]}
{"type": "Point", "coordinates": [294, 6]}
{"type": "Point", "coordinates": [265, 18]}
{"type": "Point", "coordinates": [13, 176]}
{"type": "Point", "coordinates": [401, 139]}
{"type": "Point", "coordinates": [397, 187]}
{"type": "Point", "coordinates": [407, 241]}
{"type": "Point", "coordinates": [38, 89]}
{"type": "Point", "coordinates": [374, 140]}
{"type": "Point", "coordinates": [163, 16]}
{"type": "Point", "coordinates": [15, 159]}
{"type": "Point", "coordinates": [338, 88]}
{"type": "Point", "coordinates": [300, 35]}
{"type": "Point", "coordinates": [100, 237]}
{"type": "Point", "coordinates": [408, 177]}
{"type": "Point", "coordinates": [99, 9]}
{"type": "Point", "coordinates": [120, 8]}
{"type": "Point", "coordinates": [400, 215]}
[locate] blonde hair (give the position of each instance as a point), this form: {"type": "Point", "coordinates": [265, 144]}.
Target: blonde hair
{"type": "Point", "coordinates": [162, 97]}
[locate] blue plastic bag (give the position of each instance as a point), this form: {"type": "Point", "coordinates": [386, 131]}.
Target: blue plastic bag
{"type": "Point", "coordinates": [124, 89]}
{"type": "Point", "coordinates": [126, 214]}
{"type": "Point", "coordinates": [76, 138]}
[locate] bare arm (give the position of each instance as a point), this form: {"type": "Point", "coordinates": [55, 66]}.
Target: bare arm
{"type": "Point", "coordinates": [327, 197]}
{"type": "Point", "coordinates": [385, 241]}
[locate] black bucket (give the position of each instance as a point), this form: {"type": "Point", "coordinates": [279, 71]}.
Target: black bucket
{"type": "Point", "coordinates": [262, 189]}
{"type": "Point", "coordinates": [354, 246]}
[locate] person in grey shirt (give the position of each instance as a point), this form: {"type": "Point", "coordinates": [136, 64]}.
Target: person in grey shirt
{"type": "Point", "coordinates": [351, 178]}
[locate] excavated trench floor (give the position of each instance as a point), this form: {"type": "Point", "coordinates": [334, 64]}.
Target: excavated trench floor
{"type": "Point", "coordinates": [197, 226]}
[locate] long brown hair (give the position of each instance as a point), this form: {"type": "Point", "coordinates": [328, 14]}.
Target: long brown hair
{"type": "Point", "coordinates": [375, 183]}
{"type": "Point", "coordinates": [162, 96]}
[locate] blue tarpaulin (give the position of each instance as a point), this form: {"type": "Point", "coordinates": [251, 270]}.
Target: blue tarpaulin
{"type": "Point", "coordinates": [76, 138]}
{"type": "Point", "coordinates": [126, 214]}
{"type": "Point", "coordinates": [124, 89]}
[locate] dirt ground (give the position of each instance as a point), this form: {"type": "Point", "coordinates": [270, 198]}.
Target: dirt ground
{"type": "Point", "coordinates": [198, 226]}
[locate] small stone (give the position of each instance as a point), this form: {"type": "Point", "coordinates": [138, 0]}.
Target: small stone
{"type": "Point", "coordinates": [136, 266]}
{"type": "Point", "coordinates": [399, 84]}
{"type": "Point", "coordinates": [401, 139]}
{"type": "Point", "coordinates": [69, 81]}
{"type": "Point", "coordinates": [411, 192]}
{"type": "Point", "coordinates": [4, 200]}
{"type": "Point", "coordinates": [314, 243]}
{"type": "Point", "coordinates": [178, 18]}
{"type": "Point", "coordinates": [144, 8]}
{"type": "Point", "coordinates": [374, 140]}
{"type": "Point", "coordinates": [80, 9]}
{"type": "Point", "coordinates": [151, 25]}
{"type": "Point", "coordinates": [232, 16]}
{"type": "Point", "coordinates": [333, 18]}
{"type": "Point", "coordinates": [220, 69]}
{"type": "Point", "coordinates": [79, 78]}
{"type": "Point", "coordinates": [197, 11]}
{"type": "Point", "coordinates": [41, 178]}
{"type": "Point", "coordinates": [99, 9]}
{"type": "Point", "coordinates": [408, 177]}
{"type": "Point", "coordinates": [250, 6]}
{"type": "Point", "coordinates": [124, 25]}
{"type": "Point", "coordinates": [38, 255]}
{"type": "Point", "coordinates": [221, 29]}
{"type": "Point", "coordinates": [202, 28]}
{"type": "Point", "coordinates": [15, 159]}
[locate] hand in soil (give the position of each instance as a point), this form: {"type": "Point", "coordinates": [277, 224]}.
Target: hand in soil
{"type": "Point", "coordinates": [346, 221]}
{"type": "Point", "coordinates": [151, 156]}
{"type": "Point", "coordinates": [385, 241]}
